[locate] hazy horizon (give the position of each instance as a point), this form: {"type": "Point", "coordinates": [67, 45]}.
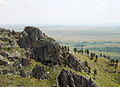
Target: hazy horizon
{"type": "Point", "coordinates": [62, 27]}
{"type": "Point", "coordinates": [75, 33]}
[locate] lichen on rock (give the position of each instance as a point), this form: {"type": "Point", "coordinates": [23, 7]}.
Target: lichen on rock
{"type": "Point", "coordinates": [69, 79]}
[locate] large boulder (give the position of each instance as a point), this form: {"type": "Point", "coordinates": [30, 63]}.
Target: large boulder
{"type": "Point", "coordinates": [43, 48]}
{"type": "Point", "coordinates": [30, 36]}
{"type": "Point", "coordinates": [70, 79]}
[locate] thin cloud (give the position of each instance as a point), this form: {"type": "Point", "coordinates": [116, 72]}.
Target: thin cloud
{"type": "Point", "coordinates": [60, 11]}
{"type": "Point", "coordinates": [3, 2]}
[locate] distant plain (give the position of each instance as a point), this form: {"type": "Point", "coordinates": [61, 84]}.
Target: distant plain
{"type": "Point", "coordinates": [98, 40]}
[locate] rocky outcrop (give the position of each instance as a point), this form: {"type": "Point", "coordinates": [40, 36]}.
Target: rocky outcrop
{"type": "Point", "coordinates": [46, 49]}
{"type": "Point", "coordinates": [29, 36]}
{"type": "Point", "coordinates": [38, 72]}
{"type": "Point", "coordinates": [43, 48]}
{"type": "Point", "coordinates": [17, 61]}
{"type": "Point", "coordinates": [12, 65]}
{"type": "Point", "coordinates": [73, 63]}
{"type": "Point", "coordinates": [70, 79]}
{"type": "Point", "coordinates": [7, 40]}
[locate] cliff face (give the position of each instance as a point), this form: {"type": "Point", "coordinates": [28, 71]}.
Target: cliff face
{"type": "Point", "coordinates": [33, 44]}
{"type": "Point", "coordinates": [43, 48]}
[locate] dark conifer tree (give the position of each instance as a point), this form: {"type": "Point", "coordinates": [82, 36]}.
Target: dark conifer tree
{"type": "Point", "coordinates": [94, 73]}
{"type": "Point", "coordinates": [75, 50]}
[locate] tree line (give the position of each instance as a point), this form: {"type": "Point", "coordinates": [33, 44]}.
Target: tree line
{"type": "Point", "coordinates": [113, 62]}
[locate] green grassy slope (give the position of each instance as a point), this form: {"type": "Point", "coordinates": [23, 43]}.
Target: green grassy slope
{"type": "Point", "coordinates": [103, 77]}
{"type": "Point", "coordinates": [50, 81]}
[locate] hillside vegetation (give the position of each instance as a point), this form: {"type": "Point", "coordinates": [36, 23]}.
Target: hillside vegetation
{"type": "Point", "coordinates": [32, 59]}
{"type": "Point", "coordinates": [103, 77]}
{"type": "Point", "coordinates": [105, 74]}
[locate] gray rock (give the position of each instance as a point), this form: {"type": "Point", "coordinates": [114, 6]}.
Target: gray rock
{"type": "Point", "coordinates": [38, 72]}
{"type": "Point", "coordinates": [5, 71]}
{"type": "Point", "coordinates": [7, 42]}
{"type": "Point", "coordinates": [11, 58]}
{"type": "Point", "coordinates": [46, 49]}
{"type": "Point", "coordinates": [16, 64]}
{"type": "Point", "coordinates": [70, 79]}
{"type": "Point", "coordinates": [73, 63]}
{"type": "Point", "coordinates": [29, 36]}
{"type": "Point", "coordinates": [24, 62]}
{"type": "Point", "coordinates": [2, 62]}
{"type": "Point", "coordinates": [4, 54]}
{"type": "Point", "coordinates": [23, 73]}
{"type": "Point", "coordinates": [43, 48]}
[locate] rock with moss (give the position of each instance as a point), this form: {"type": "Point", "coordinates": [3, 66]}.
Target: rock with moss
{"type": "Point", "coordinates": [24, 61]}
{"type": "Point", "coordinates": [46, 50]}
{"type": "Point", "coordinates": [73, 63]}
{"type": "Point", "coordinates": [2, 62]}
{"type": "Point", "coordinates": [43, 48]}
{"type": "Point", "coordinates": [22, 73]}
{"type": "Point", "coordinates": [69, 79]}
{"type": "Point", "coordinates": [4, 54]}
{"type": "Point", "coordinates": [7, 40]}
{"type": "Point", "coordinates": [38, 72]}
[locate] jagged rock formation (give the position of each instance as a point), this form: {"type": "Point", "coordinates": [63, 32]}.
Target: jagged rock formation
{"type": "Point", "coordinates": [73, 63]}
{"type": "Point", "coordinates": [70, 79]}
{"type": "Point", "coordinates": [46, 49]}
{"type": "Point", "coordinates": [39, 47]}
{"type": "Point", "coordinates": [7, 38]}
{"type": "Point", "coordinates": [43, 48]}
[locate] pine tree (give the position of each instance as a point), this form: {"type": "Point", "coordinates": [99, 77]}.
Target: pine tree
{"type": "Point", "coordinates": [68, 49]}
{"type": "Point", "coordinates": [96, 58]}
{"type": "Point", "coordinates": [116, 65]}
{"type": "Point", "coordinates": [75, 50]}
{"type": "Point", "coordinates": [94, 73]}
{"type": "Point", "coordinates": [100, 54]}
{"type": "Point", "coordinates": [87, 52]}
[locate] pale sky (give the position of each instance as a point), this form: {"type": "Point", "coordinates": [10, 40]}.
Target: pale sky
{"type": "Point", "coordinates": [59, 12]}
